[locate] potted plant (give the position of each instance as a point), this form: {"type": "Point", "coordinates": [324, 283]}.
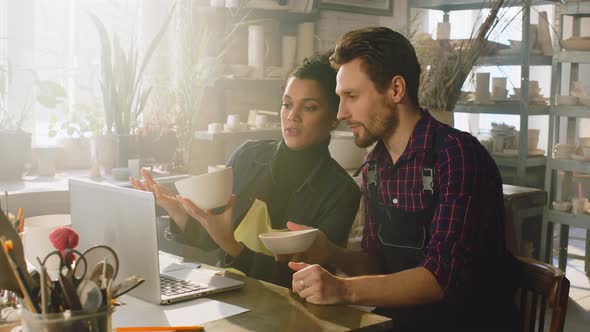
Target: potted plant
{"type": "Point", "coordinates": [446, 65]}
{"type": "Point", "coordinates": [156, 136]}
{"type": "Point", "coordinates": [15, 143]}
{"type": "Point", "coordinates": [74, 128]}
{"type": "Point", "coordinates": [123, 94]}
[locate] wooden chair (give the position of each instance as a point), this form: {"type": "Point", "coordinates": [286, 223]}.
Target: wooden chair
{"type": "Point", "coordinates": [544, 282]}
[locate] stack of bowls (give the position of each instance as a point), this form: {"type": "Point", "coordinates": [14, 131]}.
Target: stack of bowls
{"type": "Point", "coordinates": [564, 151]}
{"type": "Point", "coordinates": [503, 136]}
{"type": "Point", "coordinates": [533, 139]}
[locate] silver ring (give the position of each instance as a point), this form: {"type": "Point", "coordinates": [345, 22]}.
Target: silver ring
{"type": "Point", "coordinates": [302, 284]}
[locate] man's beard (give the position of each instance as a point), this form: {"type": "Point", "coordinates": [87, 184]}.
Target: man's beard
{"type": "Point", "coordinates": [377, 128]}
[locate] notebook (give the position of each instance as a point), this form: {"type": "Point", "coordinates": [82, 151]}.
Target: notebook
{"type": "Point", "coordinates": [125, 219]}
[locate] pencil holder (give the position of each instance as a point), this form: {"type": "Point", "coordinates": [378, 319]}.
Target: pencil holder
{"type": "Point", "coordinates": [67, 321]}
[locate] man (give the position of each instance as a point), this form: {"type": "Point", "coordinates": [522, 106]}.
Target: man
{"type": "Point", "coordinates": [433, 255]}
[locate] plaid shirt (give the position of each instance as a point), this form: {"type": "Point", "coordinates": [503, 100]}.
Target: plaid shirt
{"type": "Point", "coordinates": [468, 218]}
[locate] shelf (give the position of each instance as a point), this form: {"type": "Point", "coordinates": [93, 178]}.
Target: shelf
{"type": "Point", "coordinates": [573, 56]}
{"type": "Point", "coordinates": [572, 111]}
{"type": "Point", "coordinates": [250, 14]}
{"type": "Point", "coordinates": [569, 165]}
{"type": "Point", "coordinates": [270, 133]}
{"type": "Point", "coordinates": [500, 108]}
{"type": "Point", "coordinates": [513, 161]}
{"type": "Point", "coordinates": [576, 220]}
{"type": "Point", "coordinates": [514, 60]}
{"type": "Point", "coordinates": [448, 5]}
{"type": "Point", "coordinates": [241, 83]}
{"type": "Point", "coordinates": [580, 9]}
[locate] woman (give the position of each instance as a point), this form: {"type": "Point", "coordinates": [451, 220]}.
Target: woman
{"type": "Point", "coordinates": [293, 179]}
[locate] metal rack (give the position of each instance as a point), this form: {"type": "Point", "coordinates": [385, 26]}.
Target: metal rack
{"type": "Point", "coordinates": [522, 162]}
{"type": "Point", "coordinates": [571, 112]}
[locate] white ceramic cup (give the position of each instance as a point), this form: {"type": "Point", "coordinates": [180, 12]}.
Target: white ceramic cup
{"type": "Point", "coordinates": [214, 127]}
{"type": "Point", "coordinates": [233, 119]}
{"type": "Point", "coordinates": [482, 87]}
{"type": "Point", "coordinates": [579, 205]}
{"type": "Point", "coordinates": [499, 87]}
{"type": "Point", "coordinates": [261, 121]}
{"type": "Point", "coordinates": [134, 165]}
{"type": "Point", "coordinates": [209, 190]}
{"type": "Point", "coordinates": [443, 31]}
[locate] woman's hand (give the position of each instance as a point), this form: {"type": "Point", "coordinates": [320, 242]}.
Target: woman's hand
{"type": "Point", "coordinates": [219, 226]}
{"type": "Point", "coordinates": [164, 198]}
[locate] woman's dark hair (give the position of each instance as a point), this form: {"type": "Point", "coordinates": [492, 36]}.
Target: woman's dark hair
{"type": "Point", "coordinates": [384, 54]}
{"type": "Point", "coordinates": [317, 68]}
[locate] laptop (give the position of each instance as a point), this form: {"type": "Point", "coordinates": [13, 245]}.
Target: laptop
{"type": "Point", "coordinates": [125, 219]}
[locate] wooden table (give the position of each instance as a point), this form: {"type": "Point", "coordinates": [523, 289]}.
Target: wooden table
{"type": "Point", "coordinates": [275, 308]}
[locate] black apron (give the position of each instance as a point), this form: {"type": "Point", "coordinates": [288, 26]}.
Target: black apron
{"type": "Point", "coordinates": [404, 236]}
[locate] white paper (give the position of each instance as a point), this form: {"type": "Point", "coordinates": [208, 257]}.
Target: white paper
{"type": "Point", "coordinates": [195, 312]}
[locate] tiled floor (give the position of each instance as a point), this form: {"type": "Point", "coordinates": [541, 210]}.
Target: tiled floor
{"type": "Point", "coordinates": [578, 310]}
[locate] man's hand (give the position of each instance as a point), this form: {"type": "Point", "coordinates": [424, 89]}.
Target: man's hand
{"type": "Point", "coordinates": [219, 226]}
{"type": "Point", "coordinates": [316, 285]}
{"type": "Point", "coordinates": [164, 198]}
{"type": "Point", "coordinates": [318, 253]}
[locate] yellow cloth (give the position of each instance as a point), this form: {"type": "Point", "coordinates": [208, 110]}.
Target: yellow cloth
{"type": "Point", "coordinates": [255, 222]}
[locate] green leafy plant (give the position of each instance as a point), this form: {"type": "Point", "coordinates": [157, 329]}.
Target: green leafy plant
{"type": "Point", "coordinates": [82, 120]}
{"type": "Point", "coordinates": [123, 93]}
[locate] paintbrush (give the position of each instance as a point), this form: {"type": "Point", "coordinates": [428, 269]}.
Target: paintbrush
{"type": "Point", "coordinates": [6, 282]}
{"type": "Point", "coordinates": [25, 290]}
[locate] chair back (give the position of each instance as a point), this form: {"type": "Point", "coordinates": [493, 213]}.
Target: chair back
{"type": "Point", "coordinates": [538, 285]}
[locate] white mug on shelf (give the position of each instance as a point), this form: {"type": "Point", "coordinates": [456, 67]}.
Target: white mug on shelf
{"type": "Point", "coordinates": [482, 87]}
{"type": "Point", "coordinates": [443, 31]}
{"type": "Point", "coordinates": [134, 166]}
{"type": "Point", "coordinates": [257, 49]}
{"type": "Point", "coordinates": [579, 205]}
{"type": "Point", "coordinates": [214, 127]}
{"type": "Point", "coordinates": [499, 87]}
{"type": "Point", "coordinates": [233, 120]}
{"type": "Point", "coordinates": [261, 121]}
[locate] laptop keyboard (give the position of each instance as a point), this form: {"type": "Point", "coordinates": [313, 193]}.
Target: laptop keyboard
{"type": "Point", "coordinates": [171, 287]}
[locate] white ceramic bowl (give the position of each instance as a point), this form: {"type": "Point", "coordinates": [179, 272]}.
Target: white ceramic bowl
{"type": "Point", "coordinates": [562, 206]}
{"type": "Point", "coordinates": [289, 242]}
{"type": "Point", "coordinates": [576, 44]}
{"type": "Point", "coordinates": [210, 190]}
{"type": "Point", "coordinates": [241, 70]}
{"type": "Point", "coordinates": [36, 236]}
{"type": "Point", "coordinates": [567, 100]}
{"type": "Point", "coordinates": [345, 151]}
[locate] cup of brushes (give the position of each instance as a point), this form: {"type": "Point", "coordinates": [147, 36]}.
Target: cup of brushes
{"type": "Point", "coordinates": [68, 304]}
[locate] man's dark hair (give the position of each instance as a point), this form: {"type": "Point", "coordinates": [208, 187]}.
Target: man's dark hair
{"type": "Point", "coordinates": [384, 54]}
{"type": "Point", "coordinates": [317, 68]}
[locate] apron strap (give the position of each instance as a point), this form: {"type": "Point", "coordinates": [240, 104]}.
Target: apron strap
{"type": "Point", "coordinates": [372, 181]}
{"type": "Point", "coordinates": [430, 158]}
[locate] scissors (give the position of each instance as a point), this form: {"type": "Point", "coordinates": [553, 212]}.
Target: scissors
{"type": "Point", "coordinates": [96, 257]}
{"type": "Point", "coordinates": [72, 267]}
{"type": "Point", "coordinates": [72, 262]}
